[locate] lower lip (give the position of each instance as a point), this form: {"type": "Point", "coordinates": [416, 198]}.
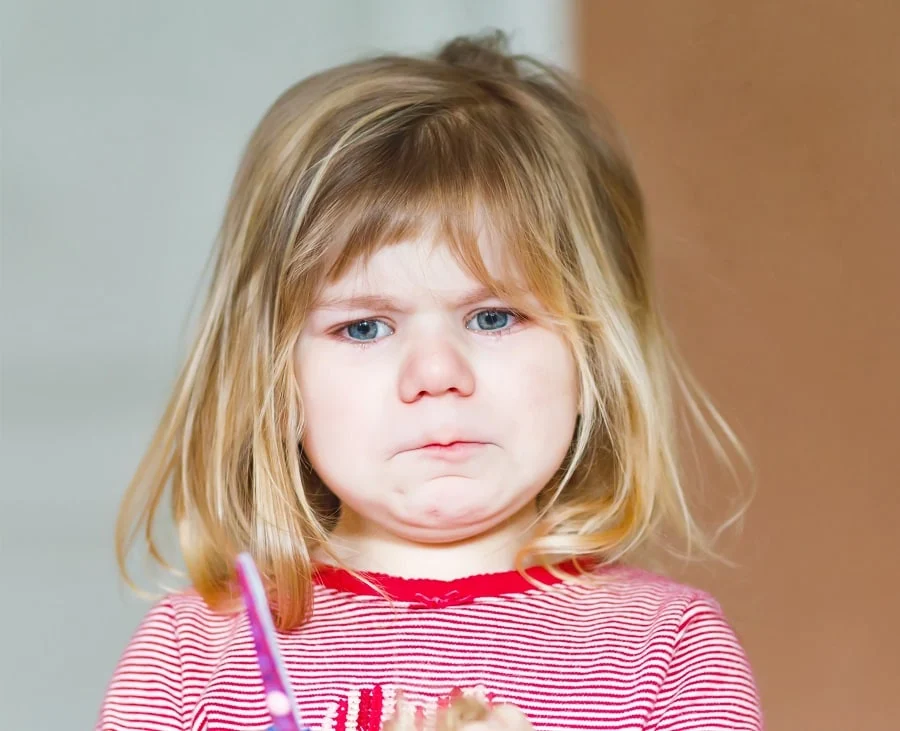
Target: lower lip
{"type": "Point", "coordinates": [456, 450]}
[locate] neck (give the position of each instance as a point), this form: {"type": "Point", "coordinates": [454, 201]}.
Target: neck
{"type": "Point", "coordinates": [364, 547]}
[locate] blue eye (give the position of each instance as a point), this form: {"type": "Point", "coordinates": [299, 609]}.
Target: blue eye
{"type": "Point", "coordinates": [366, 330]}
{"type": "Point", "coordinates": [492, 320]}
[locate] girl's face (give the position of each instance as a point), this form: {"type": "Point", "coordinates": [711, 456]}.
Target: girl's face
{"type": "Point", "coordinates": [432, 411]}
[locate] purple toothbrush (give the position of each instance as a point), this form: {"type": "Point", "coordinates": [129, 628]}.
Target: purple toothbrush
{"type": "Point", "coordinates": [279, 698]}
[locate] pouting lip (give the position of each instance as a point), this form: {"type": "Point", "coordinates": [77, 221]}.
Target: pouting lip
{"type": "Point", "coordinates": [455, 452]}
{"type": "Point", "coordinates": [439, 441]}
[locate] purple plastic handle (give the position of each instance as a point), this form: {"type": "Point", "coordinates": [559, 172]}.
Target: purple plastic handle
{"type": "Point", "coordinates": [279, 698]}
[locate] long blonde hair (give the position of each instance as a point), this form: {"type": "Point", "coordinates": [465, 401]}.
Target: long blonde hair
{"type": "Point", "coordinates": [362, 156]}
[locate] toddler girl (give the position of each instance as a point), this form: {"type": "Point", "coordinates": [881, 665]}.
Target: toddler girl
{"type": "Point", "coordinates": [432, 395]}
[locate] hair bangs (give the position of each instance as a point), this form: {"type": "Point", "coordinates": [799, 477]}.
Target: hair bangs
{"type": "Point", "coordinates": [459, 178]}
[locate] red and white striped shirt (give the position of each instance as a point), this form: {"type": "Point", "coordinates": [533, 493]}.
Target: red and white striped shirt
{"type": "Point", "coordinates": [636, 651]}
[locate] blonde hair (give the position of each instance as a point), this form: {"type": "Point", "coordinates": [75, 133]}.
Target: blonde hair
{"type": "Point", "coordinates": [362, 156]}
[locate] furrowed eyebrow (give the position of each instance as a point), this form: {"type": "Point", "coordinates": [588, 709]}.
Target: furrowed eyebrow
{"type": "Point", "coordinates": [387, 304]}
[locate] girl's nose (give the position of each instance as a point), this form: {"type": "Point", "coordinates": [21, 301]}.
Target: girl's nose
{"type": "Point", "coordinates": [433, 367]}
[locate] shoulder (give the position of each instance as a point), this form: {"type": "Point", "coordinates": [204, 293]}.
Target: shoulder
{"type": "Point", "coordinates": [176, 630]}
{"type": "Point", "coordinates": [188, 608]}
{"type": "Point", "coordinates": [188, 605]}
{"type": "Point", "coordinates": [704, 670]}
{"type": "Point", "coordinates": [706, 680]}
{"type": "Point", "coordinates": [625, 586]}
{"type": "Point", "coordinates": [183, 617]}
{"type": "Point", "coordinates": [638, 602]}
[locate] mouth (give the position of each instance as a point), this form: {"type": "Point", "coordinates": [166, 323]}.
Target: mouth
{"type": "Point", "coordinates": [458, 449]}
{"type": "Point", "coordinates": [457, 444]}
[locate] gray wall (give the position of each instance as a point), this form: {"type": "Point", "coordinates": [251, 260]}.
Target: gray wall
{"type": "Point", "coordinates": [122, 124]}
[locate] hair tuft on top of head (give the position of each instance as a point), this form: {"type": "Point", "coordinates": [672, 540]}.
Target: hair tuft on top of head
{"type": "Point", "coordinates": [488, 53]}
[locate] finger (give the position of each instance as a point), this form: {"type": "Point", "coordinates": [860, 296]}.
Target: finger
{"type": "Point", "coordinates": [462, 711]}
{"type": "Point", "coordinates": [406, 717]}
{"type": "Point", "coordinates": [508, 717]}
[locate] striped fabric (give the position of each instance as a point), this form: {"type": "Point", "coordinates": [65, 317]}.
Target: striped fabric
{"type": "Point", "coordinates": [634, 651]}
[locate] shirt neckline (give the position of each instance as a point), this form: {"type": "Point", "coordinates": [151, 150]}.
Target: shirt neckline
{"type": "Point", "coordinates": [437, 593]}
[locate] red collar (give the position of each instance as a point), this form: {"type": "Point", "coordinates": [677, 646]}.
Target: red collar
{"type": "Point", "coordinates": [436, 593]}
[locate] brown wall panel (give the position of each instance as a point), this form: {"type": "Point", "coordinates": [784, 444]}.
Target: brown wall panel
{"type": "Point", "coordinates": [767, 137]}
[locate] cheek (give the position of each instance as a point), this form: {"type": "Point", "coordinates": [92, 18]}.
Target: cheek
{"type": "Point", "coordinates": [341, 409]}
{"type": "Point", "coordinates": [544, 395]}
{"type": "Point", "coordinates": [321, 400]}
{"type": "Point", "coordinates": [546, 375]}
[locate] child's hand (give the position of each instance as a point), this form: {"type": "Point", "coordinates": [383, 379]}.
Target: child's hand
{"type": "Point", "coordinates": [505, 717]}
{"type": "Point", "coordinates": [462, 713]}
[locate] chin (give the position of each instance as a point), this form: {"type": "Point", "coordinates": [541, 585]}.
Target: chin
{"type": "Point", "coordinates": [436, 528]}
{"type": "Point", "coordinates": [438, 536]}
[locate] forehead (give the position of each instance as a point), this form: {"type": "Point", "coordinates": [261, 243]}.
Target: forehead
{"type": "Point", "coordinates": [419, 263]}
{"type": "Point", "coordinates": [427, 265]}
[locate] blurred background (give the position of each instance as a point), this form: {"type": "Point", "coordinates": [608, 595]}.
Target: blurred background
{"type": "Point", "coordinates": [766, 137]}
